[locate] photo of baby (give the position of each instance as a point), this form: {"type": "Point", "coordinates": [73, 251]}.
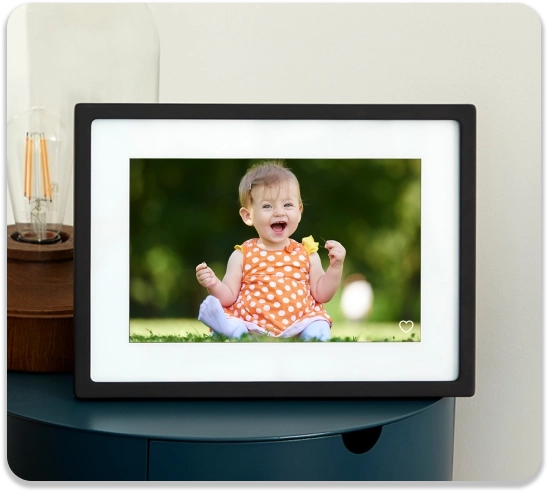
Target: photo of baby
{"type": "Point", "coordinates": [273, 284]}
{"type": "Point", "coordinates": [257, 277]}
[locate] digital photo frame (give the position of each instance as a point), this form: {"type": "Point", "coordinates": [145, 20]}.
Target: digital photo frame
{"type": "Point", "coordinates": [156, 194]}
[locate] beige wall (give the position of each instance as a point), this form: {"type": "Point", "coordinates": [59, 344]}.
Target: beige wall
{"type": "Point", "coordinates": [484, 54]}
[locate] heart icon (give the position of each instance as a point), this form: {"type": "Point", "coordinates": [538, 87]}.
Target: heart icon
{"type": "Point", "coordinates": [406, 326]}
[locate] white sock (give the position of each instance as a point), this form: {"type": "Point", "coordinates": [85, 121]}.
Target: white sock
{"type": "Point", "coordinates": [238, 328]}
{"type": "Point", "coordinates": [212, 315]}
{"type": "Point", "coordinates": [318, 330]}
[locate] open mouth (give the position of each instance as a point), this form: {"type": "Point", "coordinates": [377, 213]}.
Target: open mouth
{"type": "Point", "coordinates": [278, 227]}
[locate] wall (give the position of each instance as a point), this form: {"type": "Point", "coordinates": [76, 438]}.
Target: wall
{"type": "Point", "coordinates": [485, 54]}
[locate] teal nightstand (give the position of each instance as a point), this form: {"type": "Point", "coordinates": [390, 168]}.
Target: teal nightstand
{"type": "Point", "coordinates": [54, 436]}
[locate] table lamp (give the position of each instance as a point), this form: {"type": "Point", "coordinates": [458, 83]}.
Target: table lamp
{"type": "Point", "coordinates": [40, 248]}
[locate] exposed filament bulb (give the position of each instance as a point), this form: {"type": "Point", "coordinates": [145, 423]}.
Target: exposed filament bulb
{"type": "Point", "coordinates": [37, 180]}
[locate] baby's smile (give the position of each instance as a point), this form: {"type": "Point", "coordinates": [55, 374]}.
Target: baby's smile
{"type": "Point", "coordinates": [278, 227]}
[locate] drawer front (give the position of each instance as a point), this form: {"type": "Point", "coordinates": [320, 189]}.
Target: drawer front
{"type": "Point", "coordinates": [39, 451]}
{"type": "Point", "coordinates": [417, 448]}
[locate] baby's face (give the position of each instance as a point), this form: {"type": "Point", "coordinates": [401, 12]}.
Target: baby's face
{"type": "Point", "coordinates": [275, 213]}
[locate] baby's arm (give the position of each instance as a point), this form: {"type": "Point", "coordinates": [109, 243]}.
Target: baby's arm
{"type": "Point", "coordinates": [323, 285]}
{"type": "Point", "coordinates": [226, 291]}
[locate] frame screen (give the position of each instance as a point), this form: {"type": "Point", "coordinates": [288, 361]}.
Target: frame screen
{"type": "Point", "coordinates": [157, 194]}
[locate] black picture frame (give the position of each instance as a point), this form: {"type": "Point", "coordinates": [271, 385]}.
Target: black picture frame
{"type": "Point", "coordinates": [464, 385]}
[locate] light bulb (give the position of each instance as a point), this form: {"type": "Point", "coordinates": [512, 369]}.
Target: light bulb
{"type": "Point", "coordinates": [39, 171]}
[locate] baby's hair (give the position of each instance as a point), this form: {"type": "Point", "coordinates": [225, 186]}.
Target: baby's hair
{"type": "Point", "coordinates": [265, 173]}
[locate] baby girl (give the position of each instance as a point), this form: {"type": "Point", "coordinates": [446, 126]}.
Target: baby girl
{"type": "Point", "coordinates": [273, 284]}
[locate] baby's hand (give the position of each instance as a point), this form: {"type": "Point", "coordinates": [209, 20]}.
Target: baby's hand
{"type": "Point", "coordinates": [336, 253]}
{"type": "Point", "coordinates": [205, 276]}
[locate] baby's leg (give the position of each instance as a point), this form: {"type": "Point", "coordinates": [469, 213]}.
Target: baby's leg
{"type": "Point", "coordinates": [212, 315]}
{"type": "Point", "coordinates": [317, 329]}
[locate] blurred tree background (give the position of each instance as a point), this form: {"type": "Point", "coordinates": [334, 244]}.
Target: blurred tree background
{"type": "Point", "coordinates": [185, 211]}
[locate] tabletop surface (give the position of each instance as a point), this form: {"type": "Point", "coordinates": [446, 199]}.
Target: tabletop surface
{"type": "Point", "coordinates": [49, 398]}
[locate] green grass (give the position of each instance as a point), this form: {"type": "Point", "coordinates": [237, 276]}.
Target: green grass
{"type": "Point", "coordinates": [189, 337]}
{"type": "Point", "coordinates": [189, 330]}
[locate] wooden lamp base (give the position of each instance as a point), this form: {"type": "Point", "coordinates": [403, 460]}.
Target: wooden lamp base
{"type": "Point", "coordinates": [40, 305]}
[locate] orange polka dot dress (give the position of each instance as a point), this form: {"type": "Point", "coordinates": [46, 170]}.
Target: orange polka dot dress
{"type": "Point", "coordinates": [275, 296]}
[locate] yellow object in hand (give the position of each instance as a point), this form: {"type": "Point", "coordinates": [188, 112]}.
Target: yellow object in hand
{"type": "Point", "coordinates": [310, 245]}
